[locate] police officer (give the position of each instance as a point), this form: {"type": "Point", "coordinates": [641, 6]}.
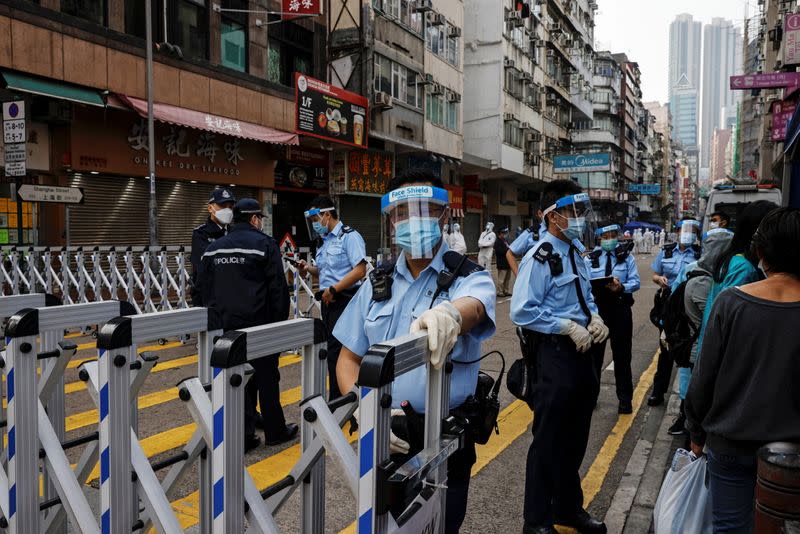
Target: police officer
{"type": "Point", "coordinates": [614, 301]}
{"type": "Point", "coordinates": [668, 264]}
{"type": "Point", "coordinates": [525, 241]}
{"type": "Point", "coordinates": [458, 318]}
{"type": "Point", "coordinates": [243, 280]}
{"type": "Point", "coordinates": [341, 264]}
{"type": "Point", "coordinates": [553, 304]}
{"type": "Point", "coordinates": [220, 215]}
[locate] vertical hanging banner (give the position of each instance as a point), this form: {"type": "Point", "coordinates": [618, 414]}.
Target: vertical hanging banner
{"type": "Point", "coordinates": [297, 8]}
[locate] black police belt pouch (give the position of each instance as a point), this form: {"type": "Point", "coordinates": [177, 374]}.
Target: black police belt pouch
{"type": "Point", "coordinates": [522, 376]}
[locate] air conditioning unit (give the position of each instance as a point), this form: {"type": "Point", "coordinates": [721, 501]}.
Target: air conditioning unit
{"type": "Point", "coordinates": [533, 137]}
{"type": "Point", "coordinates": [509, 63]}
{"type": "Point", "coordinates": [423, 6]}
{"type": "Point", "coordinates": [436, 19]}
{"type": "Point", "coordinates": [454, 32]}
{"type": "Point", "coordinates": [381, 100]}
{"type": "Point", "coordinates": [527, 77]}
{"type": "Point", "coordinates": [428, 78]}
{"type": "Point", "coordinates": [508, 117]}
{"type": "Point", "coordinates": [454, 97]}
{"type": "Point", "coordinates": [437, 89]}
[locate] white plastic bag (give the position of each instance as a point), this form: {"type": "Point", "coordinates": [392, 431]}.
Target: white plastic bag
{"type": "Point", "coordinates": [684, 502]}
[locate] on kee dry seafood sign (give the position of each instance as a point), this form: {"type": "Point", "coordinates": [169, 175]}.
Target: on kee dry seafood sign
{"type": "Point", "coordinates": [330, 113]}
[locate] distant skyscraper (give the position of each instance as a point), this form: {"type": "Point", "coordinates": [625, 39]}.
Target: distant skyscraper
{"type": "Point", "coordinates": [684, 77]}
{"type": "Point", "coordinates": [722, 58]}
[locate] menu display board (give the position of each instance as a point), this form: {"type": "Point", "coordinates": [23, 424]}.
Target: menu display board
{"type": "Point", "coordinates": [303, 169]}
{"type": "Point", "coordinates": [328, 112]}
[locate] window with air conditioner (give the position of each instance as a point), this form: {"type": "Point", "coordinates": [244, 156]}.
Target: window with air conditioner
{"type": "Point", "coordinates": [512, 134]}
{"type": "Point", "coordinates": [397, 80]}
{"type": "Point", "coordinates": [233, 35]}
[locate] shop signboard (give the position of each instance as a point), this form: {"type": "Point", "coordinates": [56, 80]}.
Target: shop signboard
{"type": "Point", "coordinates": [291, 9]}
{"type": "Point", "coordinates": [303, 169]}
{"type": "Point", "coordinates": [645, 189]}
{"type": "Point", "coordinates": [328, 112]}
{"type": "Point", "coordinates": [791, 39]}
{"type": "Point", "coordinates": [570, 163]}
{"type": "Point", "coordinates": [369, 172]}
{"type": "Point", "coordinates": [782, 113]}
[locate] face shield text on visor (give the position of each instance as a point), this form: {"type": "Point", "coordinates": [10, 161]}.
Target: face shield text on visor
{"type": "Point", "coordinates": [689, 232]}
{"type": "Point", "coordinates": [413, 218]}
{"type": "Point", "coordinates": [575, 219]}
{"type": "Point", "coordinates": [314, 223]}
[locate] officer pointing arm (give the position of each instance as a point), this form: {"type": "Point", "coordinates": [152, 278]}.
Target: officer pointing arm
{"type": "Point", "coordinates": [403, 295]}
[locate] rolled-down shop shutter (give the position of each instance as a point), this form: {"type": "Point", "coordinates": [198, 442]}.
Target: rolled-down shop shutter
{"type": "Point", "coordinates": [364, 215]}
{"type": "Point", "coordinates": [115, 210]}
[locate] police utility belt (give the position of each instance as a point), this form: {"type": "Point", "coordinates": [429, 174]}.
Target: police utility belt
{"type": "Point", "coordinates": [478, 414]}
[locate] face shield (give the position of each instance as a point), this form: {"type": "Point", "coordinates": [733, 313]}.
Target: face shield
{"type": "Point", "coordinates": [575, 218]}
{"type": "Point", "coordinates": [412, 221]}
{"type": "Point", "coordinates": [689, 232]}
{"type": "Point", "coordinates": [316, 220]}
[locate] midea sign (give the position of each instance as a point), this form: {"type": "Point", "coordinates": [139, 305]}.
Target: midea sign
{"type": "Point", "coordinates": [582, 163]}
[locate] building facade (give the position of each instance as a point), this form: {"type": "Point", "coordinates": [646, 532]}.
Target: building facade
{"type": "Point", "coordinates": [684, 79]}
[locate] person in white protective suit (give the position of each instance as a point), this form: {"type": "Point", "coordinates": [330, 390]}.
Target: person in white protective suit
{"type": "Point", "coordinates": [456, 241]}
{"type": "Point", "coordinates": [486, 247]}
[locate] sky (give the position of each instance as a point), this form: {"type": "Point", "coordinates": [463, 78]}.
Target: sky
{"type": "Point", "coordinates": [640, 28]}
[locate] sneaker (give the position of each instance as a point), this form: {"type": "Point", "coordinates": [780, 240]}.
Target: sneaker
{"type": "Point", "coordinates": [656, 399]}
{"type": "Point", "coordinates": [678, 426]}
{"type": "Point", "coordinates": [288, 434]}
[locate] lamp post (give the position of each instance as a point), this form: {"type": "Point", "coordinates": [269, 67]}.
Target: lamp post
{"type": "Point", "coordinates": [151, 151]}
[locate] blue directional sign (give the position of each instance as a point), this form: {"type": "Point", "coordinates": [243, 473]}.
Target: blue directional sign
{"type": "Point", "coordinates": [645, 189]}
{"type": "Point", "coordinates": [570, 163]}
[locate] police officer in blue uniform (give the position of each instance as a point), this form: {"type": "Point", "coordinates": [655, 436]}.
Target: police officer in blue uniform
{"type": "Point", "coordinates": [220, 215]}
{"type": "Point", "coordinates": [243, 280]}
{"type": "Point", "coordinates": [668, 264]}
{"type": "Point", "coordinates": [525, 241]}
{"type": "Point", "coordinates": [561, 328]}
{"type": "Point", "coordinates": [614, 301]}
{"type": "Point", "coordinates": [341, 265]}
{"type": "Point", "coordinates": [402, 295]}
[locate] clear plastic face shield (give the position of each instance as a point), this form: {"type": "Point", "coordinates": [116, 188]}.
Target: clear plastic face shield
{"type": "Point", "coordinates": [689, 232]}
{"type": "Point", "coordinates": [317, 222]}
{"type": "Point", "coordinates": [608, 237]}
{"type": "Point", "coordinates": [575, 218]}
{"type": "Point", "coordinates": [412, 221]}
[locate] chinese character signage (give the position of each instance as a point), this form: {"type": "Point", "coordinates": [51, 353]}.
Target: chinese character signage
{"type": "Point", "coordinates": [791, 39]}
{"type": "Point", "coordinates": [645, 189]}
{"type": "Point", "coordinates": [303, 168]}
{"type": "Point", "coordinates": [294, 8]}
{"type": "Point", "coordinates": [782, 113]}
{"type": "Point", "coordinates": [328, 112]}
{"type": "Point", "coordinates": [369, 172]}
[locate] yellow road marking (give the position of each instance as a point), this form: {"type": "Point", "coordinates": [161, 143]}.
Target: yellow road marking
{"type": "Point", "coordinates": [75, 362]}
{"type": "Point", "coordinates": [513, 421]}
{"type": "Point", "coordinates": [179, 436]}
{"type": "Point", "coordinates": [598, 471]}
{"type": "Point", "coordinates": [90, 417]}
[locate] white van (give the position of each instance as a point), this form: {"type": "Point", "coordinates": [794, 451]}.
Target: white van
{"type": "Point", "coordinates": [732, 199]}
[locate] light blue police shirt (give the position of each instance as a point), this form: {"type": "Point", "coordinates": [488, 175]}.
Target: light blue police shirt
{"type": "Point", "coordinates": [526, 240]}
{"type": "Point", "coordinates": [339, 254]}
{"type": "Point", "coordinates": [626, 272]}
{"type": "Point", "coordinates": [543, 302]}
{"type": "Point", "coordinates": [671, 267]}
{"type": "Point", "coordinates": [366, 322]}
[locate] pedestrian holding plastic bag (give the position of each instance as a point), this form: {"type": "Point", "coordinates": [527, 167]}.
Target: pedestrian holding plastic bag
{"type": "Point", "coordinates": [684, 503]}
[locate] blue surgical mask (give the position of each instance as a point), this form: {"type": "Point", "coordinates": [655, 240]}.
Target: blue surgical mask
{"type": "Point", "coordinates": [418, 236]}
{"type": "Point", "coordinates": [687, 239]}
{"type": "Point", "coordinates": [575, 228]}
{"type": "Point", "coordinates": [320, 228]}
{"type": "Point", "coordinates": [609, 244]}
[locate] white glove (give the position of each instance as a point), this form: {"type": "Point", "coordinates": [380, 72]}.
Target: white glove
{"type": "Point", "coordinates": [396, 445]}
{"type": "Point", "coordinates": [598, 329]}
{"type": "Point", "coordinates": [578, 334]}
{"type": "Point", "coordinates": [443, 323]}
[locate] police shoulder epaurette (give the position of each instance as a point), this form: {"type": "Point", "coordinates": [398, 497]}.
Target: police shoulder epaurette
{"type": "Point", "coordinates": [595, 257]}
{"type": "Point", "coordinates": [622, 251]}
{"type": "Point", "coordinates": [669, 249]}
{"type": "Point", "coordinates": [545, 254]}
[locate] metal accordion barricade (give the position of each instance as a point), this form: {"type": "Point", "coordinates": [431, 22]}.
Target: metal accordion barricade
{"type": "Point", "coordinates": [114, 381]}
{"type": "Point", "coordinates": [36, 417]}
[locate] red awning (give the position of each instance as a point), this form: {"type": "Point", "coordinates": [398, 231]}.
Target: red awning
{"type": "Point", "coordinates": [212, 123]}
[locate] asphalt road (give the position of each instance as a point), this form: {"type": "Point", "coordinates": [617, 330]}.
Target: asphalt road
{"type": "Point", "coordinates": [497, 488]}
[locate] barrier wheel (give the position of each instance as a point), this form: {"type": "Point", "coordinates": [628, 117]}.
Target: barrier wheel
{"type": "Point", "coordinates": [162, 341]}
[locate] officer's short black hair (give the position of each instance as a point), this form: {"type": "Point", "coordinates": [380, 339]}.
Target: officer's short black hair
{"type": "Point", "coordinates": [322, 202]}
{"type": "Point", "coordinates": [722, 215]}
{"type": "Point", "coordinates": [415, 176]}
{"type": "Point", "coordinates": [558, 189]}
{"type": "Point", "coordinates": [776, 241]}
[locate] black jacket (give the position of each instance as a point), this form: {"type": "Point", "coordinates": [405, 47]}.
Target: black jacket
{"type": "Point", "coordinates": [243, 280]}
{"type": "Point", "coordinates": [202, 237]}
{"type": "Point", "coordinates": [500, 249]}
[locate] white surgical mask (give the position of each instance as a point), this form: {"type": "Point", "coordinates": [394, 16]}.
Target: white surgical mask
{"type": "Point", "coordinates": [713, 225]}
{"type": "Point", "coordinates": [224, 216]}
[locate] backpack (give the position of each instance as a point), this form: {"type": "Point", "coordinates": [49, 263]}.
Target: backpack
{"type": "Point", "coordinates": [657, 311]}
{"type": "Point", "coordinates": [679, 332]}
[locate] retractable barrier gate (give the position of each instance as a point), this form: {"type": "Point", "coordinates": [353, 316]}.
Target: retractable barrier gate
{"type": "Point", "coordinates": [126, 475]}
{"type": "Point", "coordinates": [392, 498]}
{"type": "Point", "coordinates": [36, 417]}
